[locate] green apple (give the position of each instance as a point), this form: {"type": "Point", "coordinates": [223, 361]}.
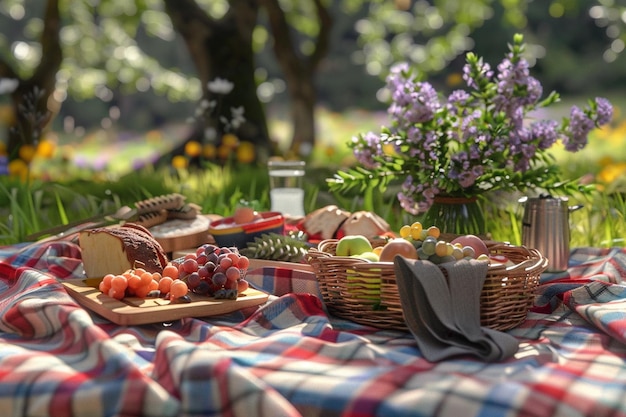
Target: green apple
{"type": "Point", "coordinates": [367, 256]}
{"type": "Point", "coordinates": [363, 286]}
{"type": "Point", "coordinates": [353, 245]}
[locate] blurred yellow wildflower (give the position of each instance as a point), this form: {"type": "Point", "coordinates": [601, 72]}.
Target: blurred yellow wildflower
{"type": "Point", "coordinates": [179, 162]}
{"type": "Point", "coordinates": [454, 79]}
{"type": "Point", "coordinates": [46, 149]}
{"type": "Point", "coordinates": [245, 152]}
{"type": "Point", "coordinates": [193, 148]}
{"type": "Point", "coordinates": [230, 140]}
{"type": "Point", "coordinates": [612, 172]}
{"type": "Point", "coordinates": [617, 134]}
{"type": "Point", "coordinates": [209, 151]}
{"type": "Point", "coordinates": [27, 152]}
{"type": "Point", "coordinates": [18, 168]}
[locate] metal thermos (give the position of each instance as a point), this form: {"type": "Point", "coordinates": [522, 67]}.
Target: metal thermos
{"type": "Point", "coordinates": [545, 227]}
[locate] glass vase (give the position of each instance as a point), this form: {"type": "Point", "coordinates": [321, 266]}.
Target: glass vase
{"type": "Point", "coordinates": [456, 216]}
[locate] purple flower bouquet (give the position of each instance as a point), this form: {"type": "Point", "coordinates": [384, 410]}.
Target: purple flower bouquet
{"type": "Point", "coordinates": [485, 138]}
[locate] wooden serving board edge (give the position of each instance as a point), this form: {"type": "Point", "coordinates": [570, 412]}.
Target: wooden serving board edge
{"type": "Point", "coordinates": [127, 314]}
{"type": "Point", "coordinates": [264, 263]}
{"type": "Point", "coordinates": [172, 244]}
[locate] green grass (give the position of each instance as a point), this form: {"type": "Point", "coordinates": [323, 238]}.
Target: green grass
{"type": "Point", "coordinates": [74, 191]}
{"type": "Point", "coordinates": [219, 189]}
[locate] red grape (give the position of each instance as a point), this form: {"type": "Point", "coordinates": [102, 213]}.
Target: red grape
{"type": "Point", "coordinates": [190, 265]}
{"type": "Point", "coordinates": [225, 262]}
{"type": "Point", "coordinates": [205, 272]}
{"type": "Point", "coordinates": [202, 259]}
{"type": "Point", "coordinates": [233, 273]}
{"type": "Point", "coordinates": [242, 285]}
{"type": "Point", "coordinates": [230, 285]}
{"type": "Point", "coordinates": [193, 280]}
{"type": "Point", "coordinates": [244, 262]}
{"type": "Point", "coordinates": [212, 257]}
{"type": "Point", "coordinates": [219, 278]}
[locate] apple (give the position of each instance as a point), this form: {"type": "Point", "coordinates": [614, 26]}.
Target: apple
{"type": "Point", "coordinates": [474, 242]}
{"type": "Point", "coordinates": [398, 247]}
{"type": "Point", "coordinates": [367, 256]}
{"type": "Point", "coordinates": [363, 285]}
{"type": "Point", "coordinates": [353, 245]}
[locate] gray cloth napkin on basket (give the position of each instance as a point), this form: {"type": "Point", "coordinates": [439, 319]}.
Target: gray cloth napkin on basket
{"type": "Point", "coordinates": [444, 315]}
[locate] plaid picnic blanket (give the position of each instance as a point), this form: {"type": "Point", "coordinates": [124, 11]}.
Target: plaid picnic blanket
{"type": "Point", "coordinates": [289, 358]}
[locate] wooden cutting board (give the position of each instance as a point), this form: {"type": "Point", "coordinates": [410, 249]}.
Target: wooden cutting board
{"type": "Point", "coordinates": [178, 234]}
{"type": "Point", "coordinates": [133, 310]}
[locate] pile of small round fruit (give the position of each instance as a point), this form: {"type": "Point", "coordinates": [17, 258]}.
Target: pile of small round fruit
{"type": "Point", "coordinates": [430, 247]}
{"type": "Point", "coordinates": [210, 270]}
{"type": "Point", "coordinates": [140, 283]}
{"type": "Point", "coordinates": [415, 242]}
{"type": "Point", "coordinates": [214, 271]}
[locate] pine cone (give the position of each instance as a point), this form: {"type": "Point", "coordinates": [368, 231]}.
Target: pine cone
{"type": "Point", "coordinates": [277, 247]}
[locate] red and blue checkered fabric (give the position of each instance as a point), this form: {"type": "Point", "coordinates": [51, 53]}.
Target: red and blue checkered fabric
{"type": "Point", "coordinates": [289, 358]}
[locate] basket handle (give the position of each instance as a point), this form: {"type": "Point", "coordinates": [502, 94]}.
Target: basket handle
{"type": "Point", "coordinates": [501, 245]}
{"type": "Point", "coordinates": [542, 261]}
{"type": "Point", "coordinates": [316, 253]}
{"type": "Point", "coordinates": [324, 245]}
{"type": "Point", "coordinates": [537, 259]}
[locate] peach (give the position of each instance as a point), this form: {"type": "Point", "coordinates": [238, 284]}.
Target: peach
{"type": "Point", "coordinates": [476, 243]}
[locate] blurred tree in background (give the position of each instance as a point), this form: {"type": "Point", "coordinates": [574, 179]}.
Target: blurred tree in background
{"type": "Point", "coordinates": [141, 63]}
{"type": "Point", "coordinates": [30, 93]}
{"type": "Point", "coordinates": [221, 48]}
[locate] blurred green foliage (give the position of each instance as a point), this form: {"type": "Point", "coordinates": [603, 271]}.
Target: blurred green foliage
{"type": "Point", "coordinates": [126, 54]}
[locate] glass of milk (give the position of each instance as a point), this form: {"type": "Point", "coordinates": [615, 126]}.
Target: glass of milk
{"type": "Point", "coordinates": [286, 192]}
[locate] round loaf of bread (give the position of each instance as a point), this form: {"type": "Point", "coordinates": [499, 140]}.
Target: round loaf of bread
{"type": "Point", "coordinates": [113, 250]}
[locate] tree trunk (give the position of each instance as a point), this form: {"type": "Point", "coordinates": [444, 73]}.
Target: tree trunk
{"type": "Point", "coordinates": [30, 98]}
{"type": "Point", "coordinates": [223, 48]}
{"type": "Point", "coordinates": [299, 72]}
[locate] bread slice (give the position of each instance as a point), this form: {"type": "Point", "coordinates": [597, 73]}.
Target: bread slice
{"type": "Point", "coordinates": [113, 250]}
{"type": "Point", "coordinates": [364, 223]}
{"type": "Point", "coordinates": [325, 221]}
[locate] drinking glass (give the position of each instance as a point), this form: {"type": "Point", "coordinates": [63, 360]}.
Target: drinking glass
{"type": "Point", "coordinates": [286, 190]}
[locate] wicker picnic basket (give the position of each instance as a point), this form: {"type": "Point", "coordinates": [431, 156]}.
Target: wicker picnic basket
{"type": "Point", "coordinates": [367, 293]}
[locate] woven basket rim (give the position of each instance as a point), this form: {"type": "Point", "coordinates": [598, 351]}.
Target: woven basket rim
{"type": "Point", "coordinates": [535, 260]}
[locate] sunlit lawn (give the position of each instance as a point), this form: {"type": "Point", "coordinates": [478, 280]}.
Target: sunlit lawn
{"type": "Point", "coordinates": [106, 165]}
{"type": "Point", "coordinates": [118, 153]}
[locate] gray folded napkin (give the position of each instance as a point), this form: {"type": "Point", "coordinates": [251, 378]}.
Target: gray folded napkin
{"type": "Point", "coordinates": [444, 315]}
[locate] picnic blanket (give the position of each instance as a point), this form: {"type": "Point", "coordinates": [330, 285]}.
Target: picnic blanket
{"type": "Point", "coordinates": [288, 357]}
